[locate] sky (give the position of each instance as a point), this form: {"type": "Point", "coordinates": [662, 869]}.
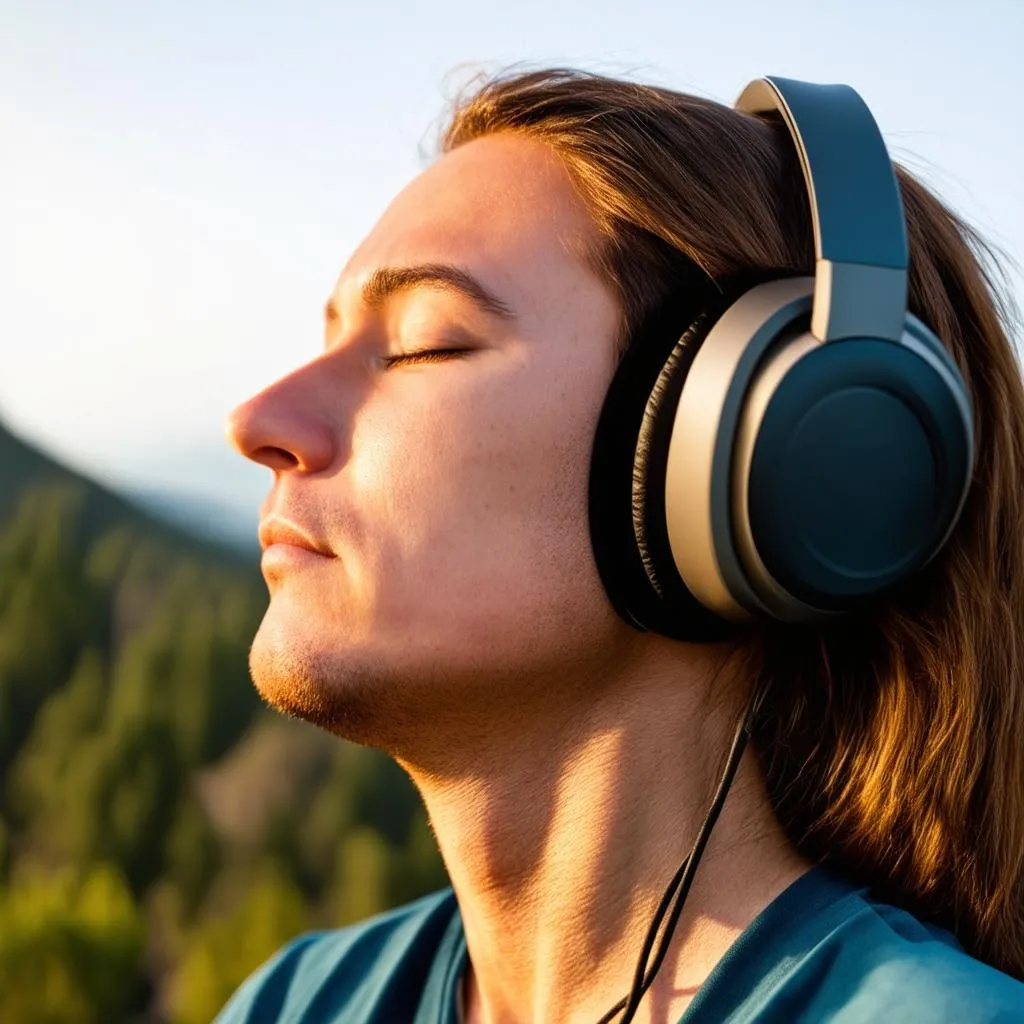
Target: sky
{"type": "Point", "coordinates": [181, 182]}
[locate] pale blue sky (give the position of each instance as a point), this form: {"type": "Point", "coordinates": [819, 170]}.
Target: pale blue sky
{"type": "Point", "coordinates": [181, 181]}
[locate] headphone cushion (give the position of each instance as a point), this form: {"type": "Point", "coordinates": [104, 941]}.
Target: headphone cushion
{"type": "Point", "coordinates": [650, 461]}
{"type": "Point", "coordinates": [628, 530]}
{"type": "Point", "coordinates": [629, 536]}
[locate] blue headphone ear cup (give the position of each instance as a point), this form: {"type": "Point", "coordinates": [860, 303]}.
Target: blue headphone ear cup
{"type": "Point", "coordinates": [858, 471]}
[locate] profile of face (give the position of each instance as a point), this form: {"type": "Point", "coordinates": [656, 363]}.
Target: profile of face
{"type": "Point", "coordinates": [448, 493]}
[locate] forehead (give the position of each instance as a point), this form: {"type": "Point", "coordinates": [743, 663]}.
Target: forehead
{"type": "Point", "coordinates": [503, 207]}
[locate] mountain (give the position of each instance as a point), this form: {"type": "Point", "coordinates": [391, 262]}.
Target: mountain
{"type": "Point", "coordinates": [160, 515]}
{"type": "Point", "coordinates": [162, 833]}
{"type": "Point", "coordinates": [206, 518]}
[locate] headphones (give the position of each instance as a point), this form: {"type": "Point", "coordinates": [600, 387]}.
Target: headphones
{"type": "Point", "coordinates": [805, 443]}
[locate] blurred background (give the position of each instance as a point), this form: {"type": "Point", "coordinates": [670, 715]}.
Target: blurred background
{"type": "Point", "coordinates": [180, 184]}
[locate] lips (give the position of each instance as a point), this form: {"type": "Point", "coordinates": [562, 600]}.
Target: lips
{"type": "Point", "coordinates": [277, 531]}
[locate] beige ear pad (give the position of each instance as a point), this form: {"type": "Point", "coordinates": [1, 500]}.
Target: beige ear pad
{"type": "Point", "coordinates": [631, 465]}
{"type": "Point", "coordinates": [700, 474]}
{"type": "Point", "coordinates": [651, 457]}
{"type": "Point", "coordinates": [619, 483]}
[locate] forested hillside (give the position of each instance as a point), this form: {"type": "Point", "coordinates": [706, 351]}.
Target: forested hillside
{"type": "Point", "coordinates": [161, 833]}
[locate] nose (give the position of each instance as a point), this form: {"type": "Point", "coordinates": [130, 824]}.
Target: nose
{"type": "Point", "coordinates": [283, 426]}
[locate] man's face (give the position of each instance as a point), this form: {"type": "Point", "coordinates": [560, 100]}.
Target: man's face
{"type": "Point", "coordinates": [451, 495]}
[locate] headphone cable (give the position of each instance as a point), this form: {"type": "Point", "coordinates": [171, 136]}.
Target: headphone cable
{"type": "Point", "coordinates": [678, 889]}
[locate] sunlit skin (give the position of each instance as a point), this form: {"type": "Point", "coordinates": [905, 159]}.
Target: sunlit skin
{"type": "Point", "coordinates": [456, 618]}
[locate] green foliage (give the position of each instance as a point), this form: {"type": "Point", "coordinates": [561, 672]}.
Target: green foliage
{"type": "Point", "coordinates": [382, 796]}
{"type": "Point", "coordinates": [363, 873]}
{"type": "Point", "coordinates": [50, 756]}
{"type": "Point", "coordinates": [124, 689]}
{"type": "Point", "coordinates": [48, 610]}
{"type": "Point", "coordinates": [186, 665]}
{"type": "Point", "coordinates": [131, 799]}
{"type": "Point", "coordinates": [372, 875]}
{"type": "Point", "coordinates": [70, 949]}
{"type": "Point", "coordinates": [417, 868]}
{"type": "Point", "coordinates": [225, 950]}
{"type": "Point", "coordinates": [193, 854]}
{"type": "Point", "coordinates": [5, 851]}
{"type": "Point", "coordinates": [312, 844]}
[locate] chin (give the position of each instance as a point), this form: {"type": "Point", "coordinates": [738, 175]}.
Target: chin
{"type": "Point", "coordinates": [304, 669]}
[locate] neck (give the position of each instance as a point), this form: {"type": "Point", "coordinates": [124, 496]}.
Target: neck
{"type": "Point", "coordinates": [564, 827]}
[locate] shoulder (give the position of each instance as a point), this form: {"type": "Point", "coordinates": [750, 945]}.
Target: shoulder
{"type": "Point", "coordinates": [827, 950]}
{"type": "Point", "coordinates": [319, 975]}
{"type": "Point", "coordinates": [889, 965]}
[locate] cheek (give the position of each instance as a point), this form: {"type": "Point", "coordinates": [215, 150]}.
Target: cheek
{"type": "Point", "coordinates": [472, 499]}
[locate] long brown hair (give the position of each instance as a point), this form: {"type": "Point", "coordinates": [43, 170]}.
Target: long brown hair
{"type": "Point", "coordinates": [894, 749]}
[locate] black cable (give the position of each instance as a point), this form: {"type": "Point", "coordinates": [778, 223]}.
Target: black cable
{"type": "Point", "coordinates": [678, 889]}
{"type": "Point", "coordinates": [641, 984]}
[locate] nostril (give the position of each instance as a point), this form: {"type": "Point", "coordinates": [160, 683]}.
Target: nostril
{"type": "Point", "coordinates": [274, 458]}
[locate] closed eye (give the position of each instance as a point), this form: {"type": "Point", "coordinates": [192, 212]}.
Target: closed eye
{"type": "Point", "coordinates": [426, 355]}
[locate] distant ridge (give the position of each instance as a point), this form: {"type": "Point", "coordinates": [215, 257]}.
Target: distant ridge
{"type": "Point", "coordinates": [23, 466]}
{"type": "Point", "coordinates": [204, 517]}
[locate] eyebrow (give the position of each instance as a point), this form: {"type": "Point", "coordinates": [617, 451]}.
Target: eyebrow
{"type": "Point", "coordinates": [387, 281]}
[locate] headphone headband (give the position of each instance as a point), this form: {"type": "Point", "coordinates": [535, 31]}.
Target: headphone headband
{"type": "Point", "coordinates": [860, 238]}
{"type": "Point", "coordinates": [755, 468]}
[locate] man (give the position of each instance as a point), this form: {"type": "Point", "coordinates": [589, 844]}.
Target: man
{"type": "Point", "coordinates": [435, 594]}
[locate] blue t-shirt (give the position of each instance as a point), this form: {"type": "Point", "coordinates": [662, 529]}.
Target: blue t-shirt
{"type": "Point", "coordinates": [822, 951]}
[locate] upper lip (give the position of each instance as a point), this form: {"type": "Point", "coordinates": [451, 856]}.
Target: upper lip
{"type": "Point", "coordinates": [275, 530]}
